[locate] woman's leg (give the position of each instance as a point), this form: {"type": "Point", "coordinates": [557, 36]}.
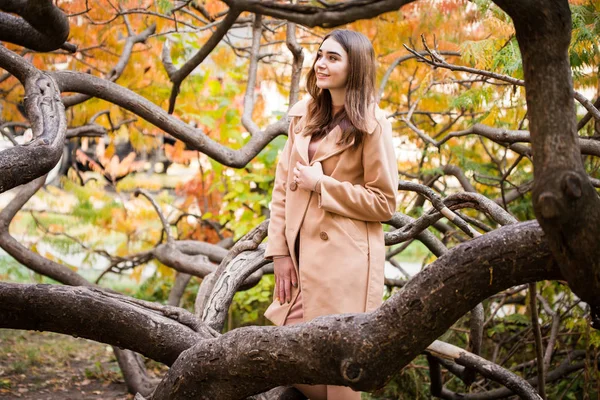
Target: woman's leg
{"type": "Point", "coordinates": [341, 393]}
{"type": "Point", "coordinates": [296, 316]}
{"type": "Point", "coordinates": [313, 392]}
{"type": "Point", "coordinates": [318, 392]}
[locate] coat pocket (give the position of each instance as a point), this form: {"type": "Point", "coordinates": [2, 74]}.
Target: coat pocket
{"type": "Point", "coordinates": [355, 229]}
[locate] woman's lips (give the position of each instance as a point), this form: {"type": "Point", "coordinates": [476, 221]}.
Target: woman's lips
{"type": "Point", "coordinates": [321, 76]}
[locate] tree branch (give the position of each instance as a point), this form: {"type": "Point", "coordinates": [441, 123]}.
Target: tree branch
{"type": "Point", "coordinates": [178, 76]}
{"type": "Point", "coordinates": [117, 71]}
{"type": "Point", "coordinates": [326, 17]}
{"type": "Point", "coordinates": [42, 26]}
{"type": "Point", "coordinates": [22, 164]}
{"type": "Point", "coordinates": [249, 99]}
{"type": "Point", "coordinates": [148, 328]}
{"type": "Point", "coordinates": [334, 346]}
{"type": "Point", "coordinates": [296, 50]}
{"type": "Point", "coordinates": [537, 334]}
{"type": "Point", "coordinates": [437, 62]}
{"type": "Point", "coordinates": [490, 370]}
{"type": "Point", "coordinates": [194, 138]}
{"type": "Point", "coordinates": [163, 220]}
{"type": "Point", "coordinates": [231, 274]}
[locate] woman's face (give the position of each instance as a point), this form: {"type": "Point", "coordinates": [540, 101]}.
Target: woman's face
{"type": "Point", "coordinates": [331, 66]}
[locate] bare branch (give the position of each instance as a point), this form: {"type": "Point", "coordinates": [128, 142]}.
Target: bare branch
{"type": "Point", "coordinates": [458, 173]}
{"type": "Point", "coordinates": [296, 51]}
{"type": "Point", "coordinates": [553, 331]}
{"type": "Point", "coordinates": [440, 63]}
{"type": "Point", "coordinates": [488, 369]}
{"type": "Point", "coordinates": [176, 293]}
{"type": "Point", "coordinates": [150, 329]}
{"type": "Point", "coordinates": [178, 76]}
{"type": "Point", "coordinates": [134, 372]}
{"type": "Point", "coordinates": [400, 220]}
{"type": "Point", "coordinates": [249, 99]}
{"type": "Point", "coordinates": [163, 220]}
{"type": "Point", "coordinates": [399, 61]}
{"type": "Point", "coordinates": [439, 205]}
{"type": "Point", "coordinates": [197, 140]}
{"type": "Point", "coordinates": [170, 255]}
{"type": "Point", "coordinates": [231, 273]}
{"type": "Point", "coordinates": [564, 369]}
{"type": "Point", "coordinates": [85, 131]}
{"type": "Point", "coordinates": [117, 71]}
{"type": "Point", "coordinates": [537, 334]}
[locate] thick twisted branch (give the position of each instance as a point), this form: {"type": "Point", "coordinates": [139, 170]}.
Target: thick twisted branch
{"type": "Point", "coordinates": [22, 164]}
{"type": "Point", "coordinates": [363, 350]}
{"type": "Point", "coordinates": [144, 327]}
{"type": "Point", "coordinates": [206, 299]}
{"type": "Point", "coordinates": [42, 26]}
{"type": "Point", "coordinates": [328, 17]}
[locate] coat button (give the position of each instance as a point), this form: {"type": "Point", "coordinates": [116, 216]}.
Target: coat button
{"type": "Point", "coordinates": [323, 235]}
{"type": "Point", "coordinates": [293, 186]}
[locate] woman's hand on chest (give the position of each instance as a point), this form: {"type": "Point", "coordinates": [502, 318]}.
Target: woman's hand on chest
{"type": "Point", "coordinates": [307, 177]}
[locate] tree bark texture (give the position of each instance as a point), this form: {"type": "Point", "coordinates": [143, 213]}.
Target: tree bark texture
{"type": "Point", "coordinates": [565, 202]}
{"type": "Point", "coordinates": [98, 315]}
{"type": "Point", "coordinates": [42, 26]}
{"type": "Point", "coordinates": [363, 350]}
{"type": "Point", "coordinates": [22, 164]}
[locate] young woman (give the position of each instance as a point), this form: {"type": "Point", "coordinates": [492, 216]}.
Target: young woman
{"type": "Point", "coordinates": [335, 182]}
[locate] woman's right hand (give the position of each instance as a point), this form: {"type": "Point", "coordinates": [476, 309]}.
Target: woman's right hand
{"type": "Point", "coordinates": [285, 277]}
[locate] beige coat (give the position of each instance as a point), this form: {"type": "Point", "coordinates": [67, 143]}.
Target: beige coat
{"type": "Point", "coordinates": [342, 250]}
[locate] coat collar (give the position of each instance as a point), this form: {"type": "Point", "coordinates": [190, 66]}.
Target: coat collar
{"type": "Point", "coordinates": [300, 108]}
{"type": "Point", "coordinates": [329, 146]}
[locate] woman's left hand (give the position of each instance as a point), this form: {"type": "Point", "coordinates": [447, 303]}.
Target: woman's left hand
{"type": "Point", "coordinates": [306, 177]}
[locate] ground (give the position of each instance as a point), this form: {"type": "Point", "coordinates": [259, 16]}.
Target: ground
{"type": "Point", "coordinates": [45, 365]}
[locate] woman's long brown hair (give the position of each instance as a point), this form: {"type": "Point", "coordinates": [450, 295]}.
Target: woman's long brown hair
{"type": "Point", "coordinates": [360, 91]}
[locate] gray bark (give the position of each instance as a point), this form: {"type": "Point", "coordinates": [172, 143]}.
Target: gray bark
{"type": "Point", "coordinates": [69, 81]}
{"type": "Point", "coordinates": [565, 202]}
{"type": "Point", "coordinates": [42, 26]}
{"type": "Point", "coordinates": [158, 332]}
{"type": "Point", "coordinates": [363, 350]}
{"type": "Point", "coordinates": [134, 372]}
{"type": "Point", "coordinates": [22, 164]}
{"type": "Point", "coordinates": [178, 289]}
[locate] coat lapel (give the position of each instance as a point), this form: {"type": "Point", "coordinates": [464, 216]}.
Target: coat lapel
{"type": "Point", "coordinates": [302, 142]}
{"type": "Point", "coordinates": [329, 146]}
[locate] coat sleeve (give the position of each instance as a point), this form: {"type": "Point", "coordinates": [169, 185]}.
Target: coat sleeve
{"type": "Point", "coordinates": [376, 200]}
{"type": "Point", "coordinates": [276, 244]}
